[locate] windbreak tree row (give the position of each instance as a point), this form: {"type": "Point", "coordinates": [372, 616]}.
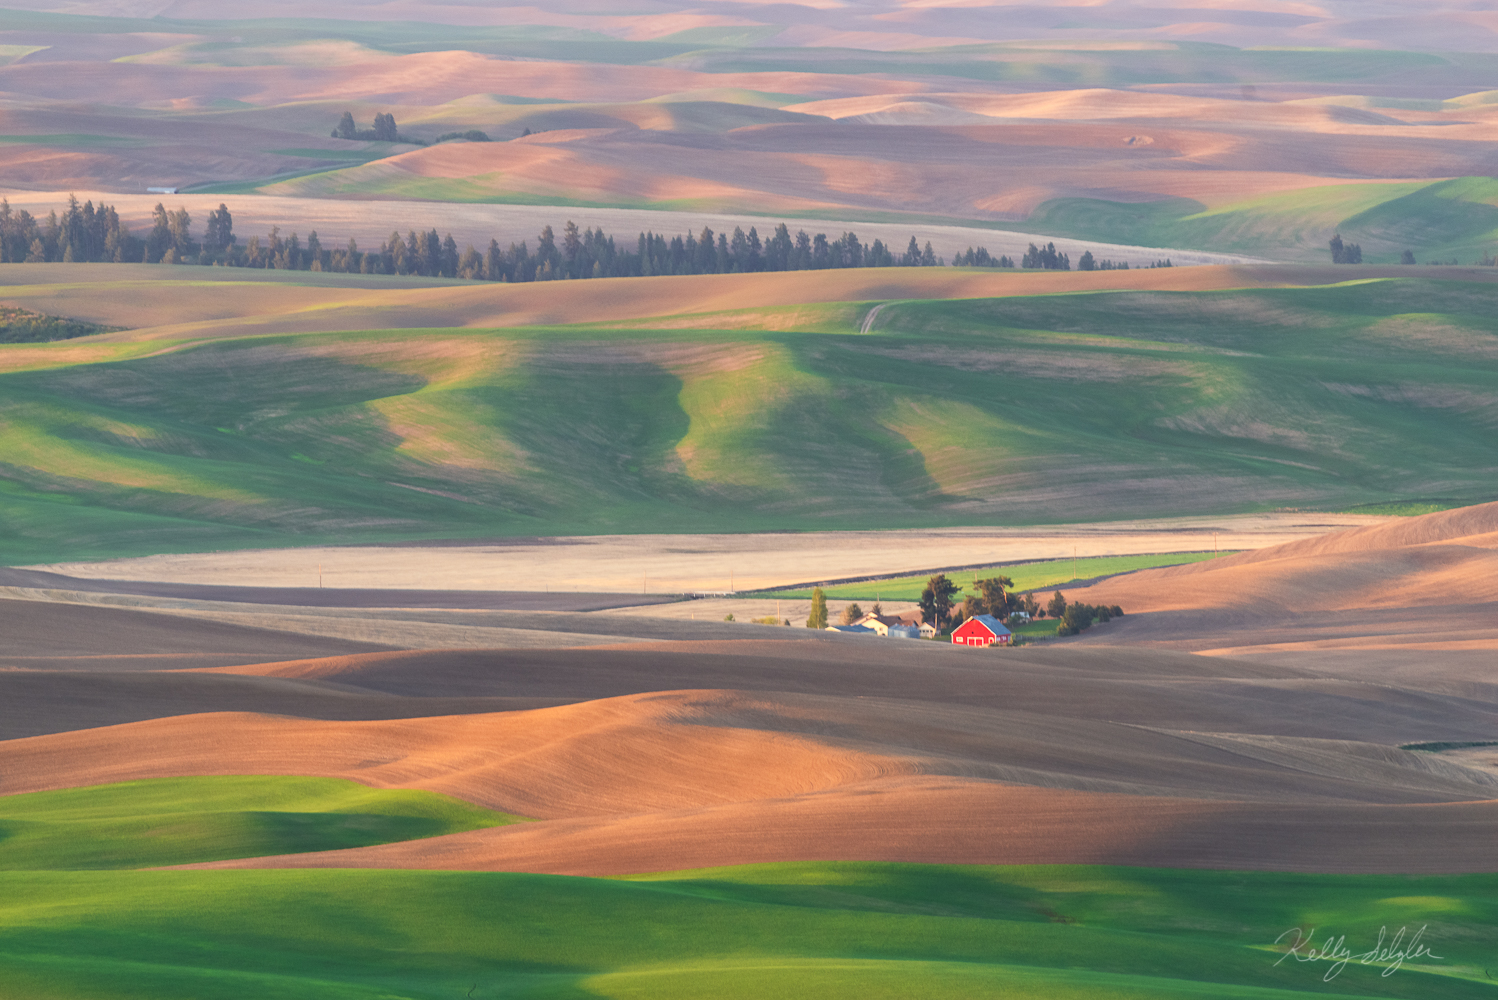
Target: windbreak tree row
{"type": "Point", "coordinates": [86, 233]}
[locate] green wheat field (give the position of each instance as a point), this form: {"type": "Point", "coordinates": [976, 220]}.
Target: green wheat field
{"type": "Point", "coordinates": [1372, 394]}
{"type": "Point", "coordinates": [845, 929]}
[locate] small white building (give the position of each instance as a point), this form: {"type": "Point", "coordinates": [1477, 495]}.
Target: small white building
{"type": "Point", "coordinates": [879, 623]}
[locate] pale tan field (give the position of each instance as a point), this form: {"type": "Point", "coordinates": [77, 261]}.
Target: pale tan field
{"type": "Point", "coordinates": [710, 563]}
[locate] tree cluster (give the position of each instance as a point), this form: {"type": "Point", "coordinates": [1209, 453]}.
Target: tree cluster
{"type": "Point", "coordinates": [1077, 617]}
{"type": "Point", "coordinates": [1345, 253]}
{"type": "Point", "coordinates": [21, 326]}
{"type": "Point", "coordinates": [992, 597]}
{"type": "Point", "coordinates": [82, 233]}
{"type": "Point", "coordinates": [1045, 258]}
{"type": "Point", "coordinates": [980, 258]}
{"type": "Point", "coordinates": [1088, 263]}
{"type": "Point", "coordinates": [384, 130]}
{"type": "Point", "coordinates": [472, 135]}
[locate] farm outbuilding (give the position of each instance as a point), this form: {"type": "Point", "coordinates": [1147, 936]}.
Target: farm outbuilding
{"type": "Point", "coordinates": [879, 623]}
{"type": "Point", "coordinates": [981, 630]}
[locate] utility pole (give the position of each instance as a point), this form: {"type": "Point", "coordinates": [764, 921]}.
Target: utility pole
{"type": "Point", "coordinates": [319, 576]}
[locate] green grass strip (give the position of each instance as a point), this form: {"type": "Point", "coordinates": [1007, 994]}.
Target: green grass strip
{"type": "Point", "coordinates": [1026, 576]}
{"type": "Point", "coordinates": [172, 821]}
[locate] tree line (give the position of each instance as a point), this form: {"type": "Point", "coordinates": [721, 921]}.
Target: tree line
{"type": "Point", "coordinates": [88, 233]}
{"type": "Point", "coordinates": [85, 232]}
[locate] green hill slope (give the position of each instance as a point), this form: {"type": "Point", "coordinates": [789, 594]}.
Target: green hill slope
{"type": "Point", "coordinates": [1437, 221]}
{"type": "Point", "coordinates": [174, 821]}
{"type": "Point", "coordinates": [1015, 410]}
{"type": "Point", "coordinates": [824, 930]}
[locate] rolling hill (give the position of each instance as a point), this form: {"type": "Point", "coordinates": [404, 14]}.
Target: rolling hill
{"type": "Point", "coordinates": [1096, 817]}
{"type": "Point", "coordinates": [1110, 397]}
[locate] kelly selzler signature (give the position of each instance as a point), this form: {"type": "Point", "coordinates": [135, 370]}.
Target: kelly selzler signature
{"type": "Point", "coordinates": [1393, 952]}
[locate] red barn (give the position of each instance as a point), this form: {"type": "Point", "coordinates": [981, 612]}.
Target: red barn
{"type": "Point", "coordinates": [981, 630]}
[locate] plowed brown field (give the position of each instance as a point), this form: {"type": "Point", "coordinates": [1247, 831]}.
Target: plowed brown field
{"type": "Point", "coordinates": [678, 754]}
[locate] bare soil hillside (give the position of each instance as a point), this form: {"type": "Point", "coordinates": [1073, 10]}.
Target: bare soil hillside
{"type": "Point", "coordinates": [681, 753]}
{"type": "Point", "coordinates": [1414, 584]}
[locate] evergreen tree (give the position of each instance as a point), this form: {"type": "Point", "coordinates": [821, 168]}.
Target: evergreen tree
{"type": "Point", "coordinates": [738, 250]}
{"type": "Point", "coordinates": [471, 264]}
{"type": "Point", "coordinates": [346, 128]}
{"type": "Point", "coordinates": [415, 252]}
{"type": "Point", "coordinates": [1086, 262]}
{"type": "Point", "coordinates": [707, 253]}
{"type": "Point", "coordinates": [779, 249]}
{"type": "Point", "coordinates": [572, 248]}
{"type": "Point", "coordinates": [384, 128]}
{"type": "Point", "coordinates": [852, 251]}
{"type": "Point", "coordinates": [219, 235]}
{"type": "Point", "coordinates": [72, 237]}
{"type": "Point", "coordinates": [160, 239]}
{"type": "Point", "coordinates": [821, 252]}
{"type": "Point", "coordinates": [801, 256]}
{"type": "Point", "coordinates": [314, 252]}
{"type": "Point", "coordinates": [447, 256]}
{"type": "Point", "coordinates": [546, 249]}
{"type": "Point", "coordinates": [179, 226]}
{"type": "Point", "coordinates": [912, 256]}
{"type": "Point", "coordinates": [818, 618]}
{"type": "Point", "coordinates": [1057, 606]}
{"type": "Point", "coordinates": [494, 262]}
